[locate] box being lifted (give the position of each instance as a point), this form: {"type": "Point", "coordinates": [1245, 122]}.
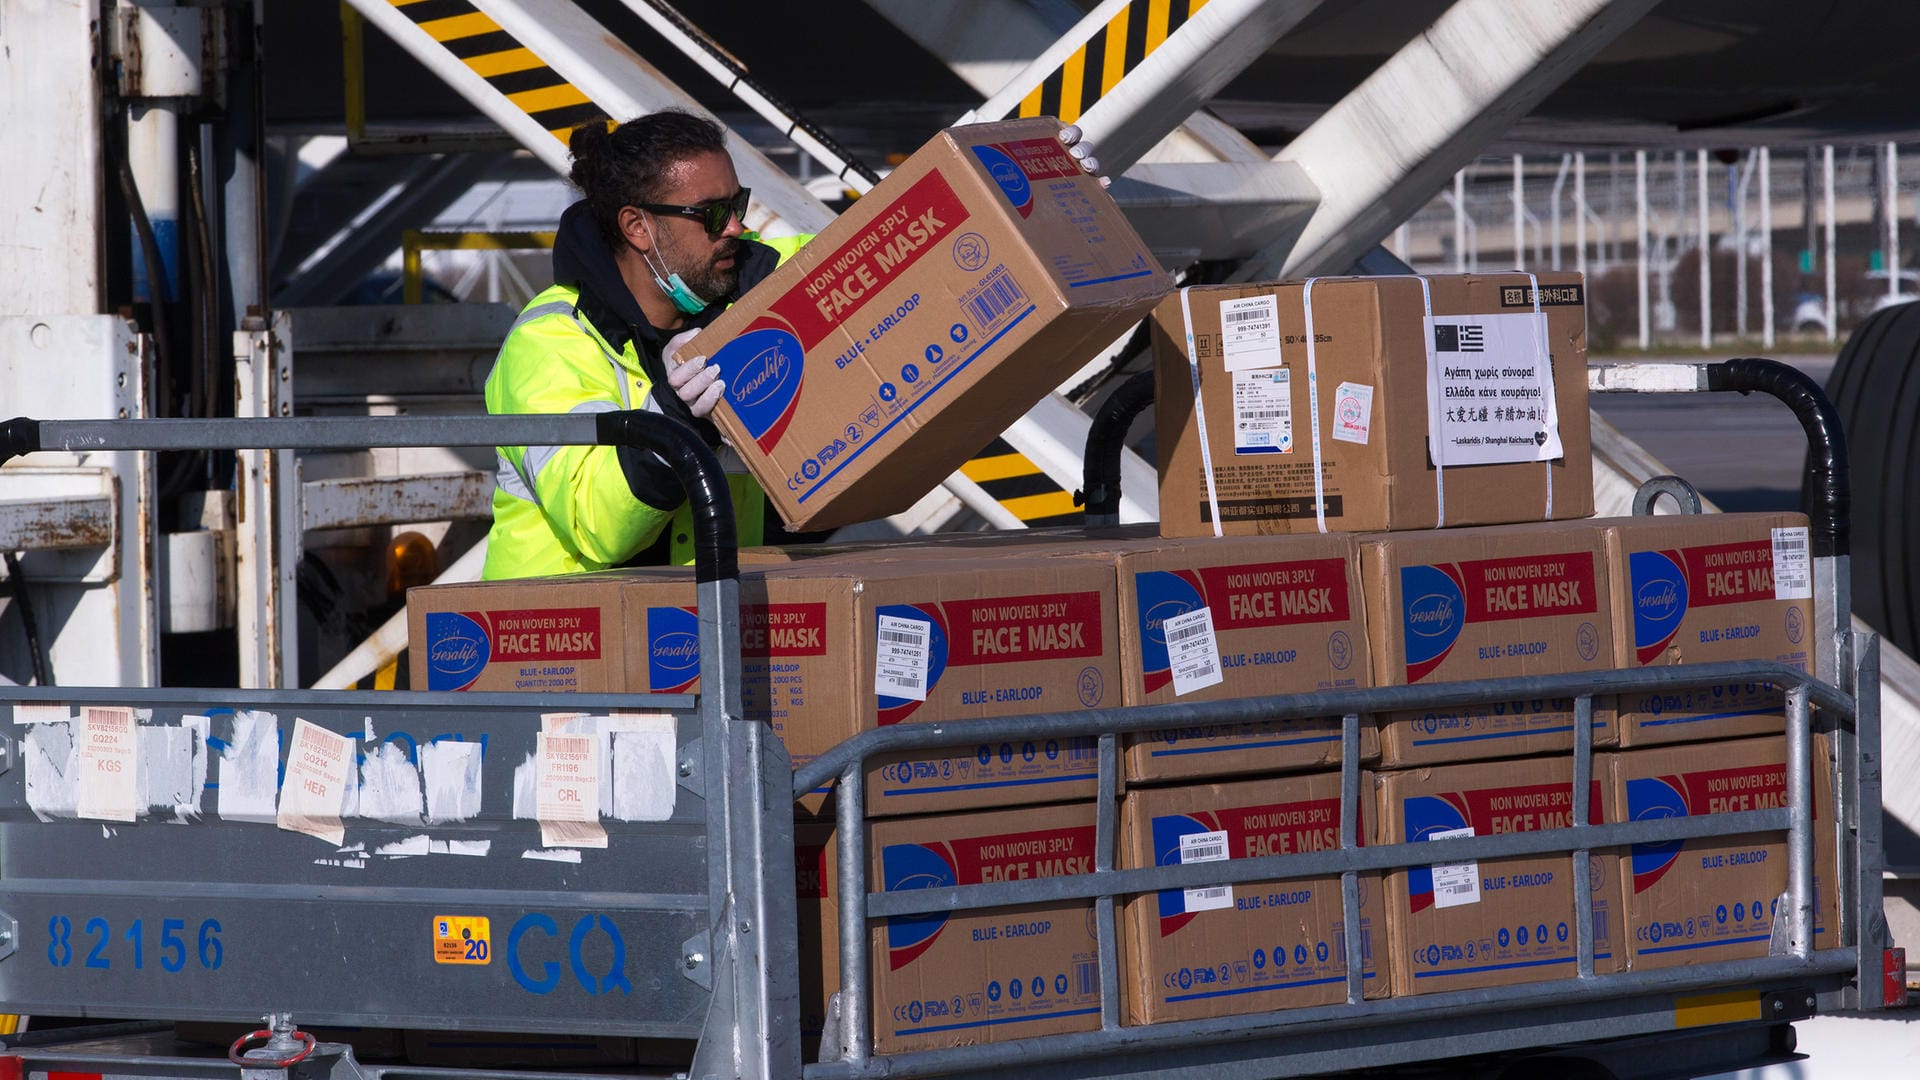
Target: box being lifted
{"type": "Point", "coordinates": [1372, 403]}
{"type": "Point", "coordinates": [923, 321]}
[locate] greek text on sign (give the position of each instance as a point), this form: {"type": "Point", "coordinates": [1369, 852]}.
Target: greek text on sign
{"type": "Point", "coordinates": [1490, 390]}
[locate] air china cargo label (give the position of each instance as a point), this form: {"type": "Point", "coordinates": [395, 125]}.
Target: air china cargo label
{"type": "Point", "coordinates": [1242, 832]}
{"type": "Point", "coordinates": [974, 860]}
{"type": "Point", "coordinates": [549, 641]}
{"type": "Point", "coordinates": [1668, 584]}
{"type": "Point", "coordinates": [1002, 630]}
{"type": "Point", "coordinates": [1490, 390]}
{"type": "Point", "coordinates": [767, 631]}
{"type": "Point", "coordinates": [1246, 597]}
{"type": "Point", "coordinates": [1439, 601]}
{"type": "Point", "coordinates": [1486, 812]}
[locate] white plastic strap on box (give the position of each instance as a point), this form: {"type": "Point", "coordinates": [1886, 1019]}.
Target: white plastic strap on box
{"type": "Point", "coordinates": [1200, 412]}
{"type": "Point", "coordinates": [1539, 320]}
{"type": "Point", "coordinates": [1313, 405]}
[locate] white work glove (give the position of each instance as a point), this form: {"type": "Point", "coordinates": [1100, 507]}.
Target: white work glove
{"type": "Point", "coordinates": [1082, 152]}
{"type": "Point", "coordinates": [696, 383]}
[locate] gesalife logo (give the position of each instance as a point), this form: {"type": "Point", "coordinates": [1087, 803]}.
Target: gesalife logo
{"type": "Point", "coordinates": [1433, 611]}
{"type": "Point", "coordinates": [914, 866]}
{"type": "Point", "coordinates": [1659, 601]}
{"type": "Point", "coordinates": [1007, 173]}
{"type": "Point", "coordinates": [1167, 831]}
{"type": "Point", "coordinates": [892, 710]}
{"type": "Point", "coordinates": [1160, 595]}
{"type": "Point", "coordinates": [763, 369]}
{"type": "Point", "coordinates": [458, 649]}
{"type": "Point", "coordinates": [1422, 816]}
{"type": "Point", "coordinates": [1654, 799]}
{"type": "Point", "coordinates": [673, 649]}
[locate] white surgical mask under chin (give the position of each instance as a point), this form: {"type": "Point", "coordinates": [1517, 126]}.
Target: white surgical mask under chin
{"type": "Point", "coordinates": [685, 300]}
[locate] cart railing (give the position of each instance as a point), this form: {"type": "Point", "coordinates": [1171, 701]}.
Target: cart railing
{"type": "Point", "coordinates": [1794, 958]}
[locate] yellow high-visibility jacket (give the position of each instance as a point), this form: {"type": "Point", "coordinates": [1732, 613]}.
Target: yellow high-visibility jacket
{"type": "Point", "coordinates": [583, 346]}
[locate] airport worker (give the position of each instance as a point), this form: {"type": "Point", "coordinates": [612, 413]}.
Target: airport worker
{"type": "Point", "coordinates": [654, 250]}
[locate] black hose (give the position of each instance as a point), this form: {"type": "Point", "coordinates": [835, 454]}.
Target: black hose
{"type": "Point", "coordinates": [715, 541]}
{"type": "Point", "coordinates": [1828, 483]}
{"type": "Point", "coordinates": [36, 649]}
{"type": "Point", "coordinates": [1106, 438]}
{"type": "Point", "coordinates": [20, 435]}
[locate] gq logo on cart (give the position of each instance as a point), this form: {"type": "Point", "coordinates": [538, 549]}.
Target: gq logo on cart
{"type": "Point", "coordinates": [592, 951]}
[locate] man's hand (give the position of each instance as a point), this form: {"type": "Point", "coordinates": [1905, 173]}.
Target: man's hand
{"type": "Point", "coordinates": [1082, 151]}
{"type": "Point", "coordinates": [696, 384]}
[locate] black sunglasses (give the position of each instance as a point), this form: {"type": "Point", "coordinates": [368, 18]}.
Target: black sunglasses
{"type": "Point", "coordinates": [713, 215]}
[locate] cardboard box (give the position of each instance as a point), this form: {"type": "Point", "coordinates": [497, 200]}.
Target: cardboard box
{"type": "Point", "coordinates": [1253, 947]}
{"type": "Point", "coordinates": [984, 638]}
{"type": "Point", "coordinates": [1460, 925]}
{"type": "Point", "coordinates": [1482, 604]}
{"type": "Point", "coordinates": [994, 974]}
{"type": "Point", "coordinates": [973, 280]}
{"type": "Point", "coordinates": [817, 890]}
{"type": "Point", "coordinates": [1699, 901]}
{"type": "Point", "coordinates": [1706, 588]}
{"type": "Point", "coordinates": [1338, 428]}
{"type": "Point", "coordinates": [555, 635]}
{"type": "Point", "coordinates": [1285, 615]}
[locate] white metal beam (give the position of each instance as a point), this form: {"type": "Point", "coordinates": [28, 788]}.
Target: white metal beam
{"type": "Point", "coordinates": [1382, 151]}
{"type": "Point", "coordinates": [51, 184]}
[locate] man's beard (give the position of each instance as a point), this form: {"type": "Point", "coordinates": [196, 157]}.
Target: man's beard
{"type": "Point", "coordinates": [715, 284]}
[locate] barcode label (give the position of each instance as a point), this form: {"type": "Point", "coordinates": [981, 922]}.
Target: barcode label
{"type": "Point", "coordinates": [1205, 847]}
{"type": "Point", "coordinates": [1083, 750]}
{"type": "Point", "coordinates": [1086, 978]}
{"type": "Point", "coordinates": [900, 658]}
{"type": "Point", "coordinates": [1792, 565]}
{"type": "Point", "coordinates": [1455, 884]}
{"type": "Point", "coordinates": [997, 295]}
{"type": "Point", "coordinates": [1262, 411]}
{"type": "Point", "coordinates": [1250, 332]}
{"type": "Point", "coordinates": [1193, 653]}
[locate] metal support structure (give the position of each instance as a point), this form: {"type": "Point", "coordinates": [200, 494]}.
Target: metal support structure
{"type": "Point", "coordinates": [1706, 256]}
{"type": "Point", "coordinates": [1891, 192]}
{"type": "Point", "coordinates": [1580, 214]}
{"type": "Point", "coordinates": [50, 95]}
{"type": "Point", "coordinates": [1826, 185]}
{"type": "Point", "coordinates": [1380, 152]}
{"type": "Point", "coordinates": [267, 544]}
{"type": "Point", "coordinates": [1460, 221]}
{"type": "Point", "coordinates": [1766, 248]}
{"type": "Point", "coordinates": [1640, 245]}
{"type": "Point", "coordinates": [1189, 52]}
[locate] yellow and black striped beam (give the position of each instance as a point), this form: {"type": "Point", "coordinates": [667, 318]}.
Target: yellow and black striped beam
{"type": "Point", "coordinates": [473, 38]}
{"type": "Point", "coordinates": [1114, 50]}
{"type": "Point", "coordinates": [392, 675]}
{"type": "Point", "coordinates": [1019, 485]}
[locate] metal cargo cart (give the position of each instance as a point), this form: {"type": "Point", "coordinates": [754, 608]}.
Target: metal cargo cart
{"type": "Point", "coordinates": [683, 928]}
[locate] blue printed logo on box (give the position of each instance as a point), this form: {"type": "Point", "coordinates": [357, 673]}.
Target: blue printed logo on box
{"type": "Point", "coordinates": [458, 649]}
{"type": "Point", "coordinates": [1433, 607]}
{"type": "Point", "coordinates": [1160, 595]}
{"type": "Point", "coordinates": [1652, 799]}
{"type": "Point", "coordinates": [1659, 601]}
{"type": "Point", "coordinates": [1006, 173]}
{"type": "Point", "coordinates": [763, 370]}
{"type": "Point", "coordinates": [914, 866]}
{"type": "Point", "coordinates": [673, 649]}
{"type": "Point", "coordinates": [1424, 815]}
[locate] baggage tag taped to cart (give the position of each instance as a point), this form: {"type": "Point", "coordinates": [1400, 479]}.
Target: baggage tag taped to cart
{"type": "Point", "coordinates": [109, 764]}
{"type": "Point", "coordinates": [567, 791]}
{"type": "Point", "coordinates": [316, 785]}
{"type": "Point", "coordinates": [1455, 884]}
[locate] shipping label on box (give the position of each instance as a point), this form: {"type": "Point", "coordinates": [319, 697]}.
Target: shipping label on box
{"type": "Point", "coordinates": [1252, 947]}
{"type": "Point", "coordinates": [923, 321]}
{"type": "Point", "coordinates": [1707, 588]}
{"type": "Point", "coordinates": [952, 979]}
{"type": "Point", "coordinates": [1473, 923]}
{"type": "Point", "coordinates": [1235, 618]}
{"type": "Point", "coordinates": [1372, 403]}
{"type": "Point", "coordinates": [1482, 604]}
{"type": "Point", "coordinates": [1695, 901]}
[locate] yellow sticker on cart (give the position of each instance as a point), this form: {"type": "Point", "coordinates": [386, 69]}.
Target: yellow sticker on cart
{"type": "Point", "coordinates": [462, 939]}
